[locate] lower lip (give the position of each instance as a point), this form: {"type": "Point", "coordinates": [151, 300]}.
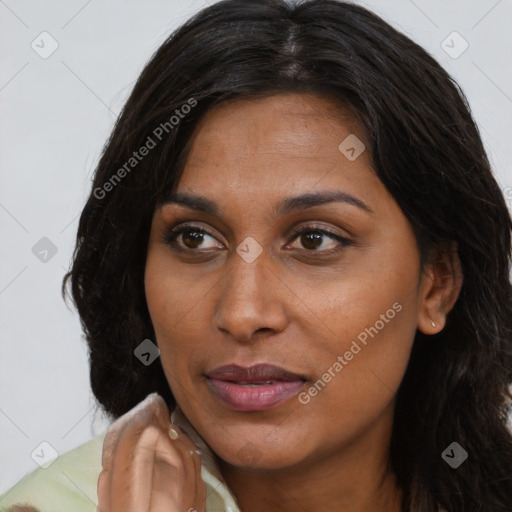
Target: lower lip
{"type": "Point", "coordinates": [256, 398]}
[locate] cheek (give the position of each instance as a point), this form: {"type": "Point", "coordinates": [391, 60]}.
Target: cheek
{"type": "Point", "coordinates": [158, 286]}
{"type": "Point", "coordinates": [169, 297]}
{"type": "Point", "coordinates": [176, 314]}
{"type": "Point", "coordinates": [162, 305]}
{"type": "Point", "coordinates": [365, 325]}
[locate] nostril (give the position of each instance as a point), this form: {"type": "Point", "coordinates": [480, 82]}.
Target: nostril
{"type": "Point", "coordinates": [263, 330]}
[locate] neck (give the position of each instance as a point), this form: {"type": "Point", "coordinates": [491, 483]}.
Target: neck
{"type": "Point", "coordinates": [354, 478]}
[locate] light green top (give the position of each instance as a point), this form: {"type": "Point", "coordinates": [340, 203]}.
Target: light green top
{"type": "Point", "coordinates": [68, 484]}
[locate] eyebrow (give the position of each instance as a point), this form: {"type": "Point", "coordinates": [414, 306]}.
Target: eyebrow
{"type": "Point", "coordinates": [286, 206]}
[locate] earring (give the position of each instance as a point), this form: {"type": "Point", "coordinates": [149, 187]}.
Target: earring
{"type": "Point", "coordinates": [433, 324]}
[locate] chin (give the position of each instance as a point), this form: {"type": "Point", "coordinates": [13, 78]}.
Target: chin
{"type": "Point", "coordinates": [260, 456]}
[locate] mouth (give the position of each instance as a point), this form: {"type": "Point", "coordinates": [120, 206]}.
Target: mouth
{"type": "Point", "coordinates": [255, 388]}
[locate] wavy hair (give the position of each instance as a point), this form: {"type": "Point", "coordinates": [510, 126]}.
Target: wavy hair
{"type": "Point", "coordinates": [426, 149]}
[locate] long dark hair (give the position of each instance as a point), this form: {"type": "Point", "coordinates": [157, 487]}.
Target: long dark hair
{"type": "Point", "coordinates": [426, 149]}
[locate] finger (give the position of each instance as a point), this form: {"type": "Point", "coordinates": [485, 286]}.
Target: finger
{"type": "Point", "coordinates": [190, 483]}
{"type": "Point", "coordinates": [160, 474]}
{"type": "Point", "coordinates": [132, 470]}
{"type": "Point", "coordinates": [140, 449]}
{"type": "Point", "coordinates": [103, 491]}
{"type": "Point", "coordinates": [165, 472]}
{"type": "Point", "coordinates": [132, 446]}
{"type": "Point", "coordinates": [114, 431]}
{"type": "Point", "coordinates": [109, 445]}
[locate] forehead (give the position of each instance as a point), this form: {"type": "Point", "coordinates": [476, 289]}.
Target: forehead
{"type": "Point", "coordinates": [270, 147]}
{"type": "Point", "coordinates": [292, 124]}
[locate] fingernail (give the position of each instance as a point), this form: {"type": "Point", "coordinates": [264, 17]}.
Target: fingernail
{"type": "Point", "coordinates": [173, 433]}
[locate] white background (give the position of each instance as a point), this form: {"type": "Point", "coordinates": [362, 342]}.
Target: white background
{"type": "Point", "coordinates": [56, 114]}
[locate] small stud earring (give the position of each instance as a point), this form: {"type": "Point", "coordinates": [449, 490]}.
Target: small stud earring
{"type": "Point", "coordinates": [433, 324]}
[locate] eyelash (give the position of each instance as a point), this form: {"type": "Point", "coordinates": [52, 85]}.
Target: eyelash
{"type": "Point", "coordinates": [172, 234]}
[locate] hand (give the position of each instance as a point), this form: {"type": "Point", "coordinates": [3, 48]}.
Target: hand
{"type": "Point", "coordinates": [145, 468]}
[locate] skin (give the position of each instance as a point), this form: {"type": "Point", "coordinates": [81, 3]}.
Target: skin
{"type": "Point", "coordinates": [292, 306]}
{"type": "Point", "coordinates": [144, 468]}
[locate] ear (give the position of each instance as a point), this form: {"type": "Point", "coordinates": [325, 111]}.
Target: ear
{"type": "Point", "coordinates": [439, 288]}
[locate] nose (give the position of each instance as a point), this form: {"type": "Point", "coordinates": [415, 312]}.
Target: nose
{"type": "Point", "coordinates": [251, 300]}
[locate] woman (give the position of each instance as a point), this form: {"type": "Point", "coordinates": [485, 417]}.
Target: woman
{"type": "Point", "coordinates": [295, 244]}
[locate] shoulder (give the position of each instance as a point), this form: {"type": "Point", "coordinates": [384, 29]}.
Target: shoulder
{"type": "Point", "coordinates": [69, 483]}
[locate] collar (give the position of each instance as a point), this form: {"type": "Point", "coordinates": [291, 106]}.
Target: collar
{"type": "Point", "coordinates": [219, 496]}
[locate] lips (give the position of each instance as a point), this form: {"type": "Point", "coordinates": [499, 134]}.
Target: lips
{"type": "Point", "coordinates": [258, 373]}
{"type": "Point", "coordinates": [254, 388]}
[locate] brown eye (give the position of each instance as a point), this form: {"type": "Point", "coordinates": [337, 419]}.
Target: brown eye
{"type": "Point", "coordinates": [312, 239]}
{"type": "Point", "coordinates": [192, 238]}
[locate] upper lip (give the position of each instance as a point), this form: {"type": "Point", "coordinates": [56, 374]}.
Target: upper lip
{"type": "Point", "coordinates": [257, 373]}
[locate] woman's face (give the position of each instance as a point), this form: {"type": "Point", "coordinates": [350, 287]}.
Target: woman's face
{"type": "Point", "coordinates": [338, 304]}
